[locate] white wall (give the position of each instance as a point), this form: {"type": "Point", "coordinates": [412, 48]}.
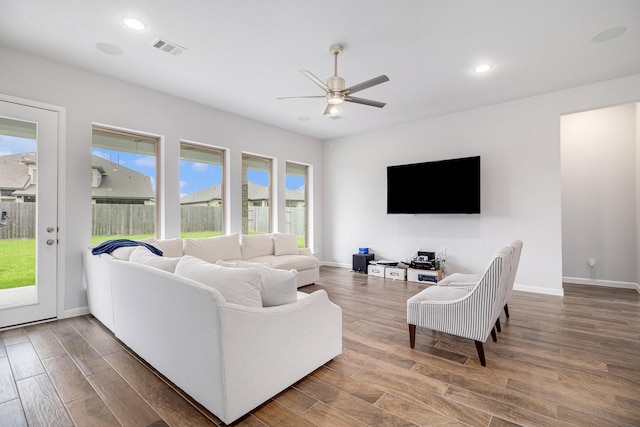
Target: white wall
{"type": "Point", "coordinates": [599, 215]}
{"type": "Point", "coordinates": [638, 193]}
{"type": "Point", "coordinates": [519, 143]}
{"type": "Point", "coordinates": [92, 98]}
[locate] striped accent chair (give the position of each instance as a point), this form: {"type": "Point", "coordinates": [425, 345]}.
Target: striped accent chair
{"type": "Point", "coordinates": [467, 310]}
{"type": "Point", "coordinates": [465, 279]}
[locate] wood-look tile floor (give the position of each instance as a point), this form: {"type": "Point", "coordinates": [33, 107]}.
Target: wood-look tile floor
{"type": "Point", "coordinates": [559, 361]}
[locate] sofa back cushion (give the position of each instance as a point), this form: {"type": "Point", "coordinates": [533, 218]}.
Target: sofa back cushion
{"type": "Point", "coordinates": [285, 244]}
{"type": "Point", "coordinates": [211, 249]}
{"type": "Point", "coordinates": [237, 285]}
{"type": "Point", "coordinates": [256, 245]}
{"type": "Point", "coordinates": [169, 247]}
{"type": "Point", "coordinates": [142, 255]}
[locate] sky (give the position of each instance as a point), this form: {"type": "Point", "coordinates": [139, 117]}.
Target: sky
{"type": "Point", "coordinates": [193, 176]}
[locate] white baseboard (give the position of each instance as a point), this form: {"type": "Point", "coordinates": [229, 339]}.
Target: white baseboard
{"type": "Point", "coordinates": [79, 311]}
{"type": "Point", "coordinates": [335, 264]}
{"type": "Point", "coordinates": [607, 283]}
{"type": "Point", "coordinates": [538, 290]}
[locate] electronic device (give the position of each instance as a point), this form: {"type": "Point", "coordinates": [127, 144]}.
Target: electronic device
{"type": "Point", "coordinates": [453, 187]}
{"type": "Point", "coordinates": [361, 261]}
{"type": "Point", "coordinates": [425, 261]}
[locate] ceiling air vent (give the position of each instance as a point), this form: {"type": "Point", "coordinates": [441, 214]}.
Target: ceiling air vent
{"type": "Point", "coordinates": [168, 46]}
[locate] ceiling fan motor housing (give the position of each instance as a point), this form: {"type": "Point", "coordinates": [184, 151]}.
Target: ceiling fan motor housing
{"type": "Point", "coordinates": [336, 86]}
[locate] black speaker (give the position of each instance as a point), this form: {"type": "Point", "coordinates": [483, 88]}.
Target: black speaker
{"type": "Point", "coordinates": [361, 261]}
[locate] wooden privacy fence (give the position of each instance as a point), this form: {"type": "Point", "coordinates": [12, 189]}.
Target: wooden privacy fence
{"type": "Point", "coordinates": [201, 218]}
{"type": "Point", "coordinates": [124, 220]}
{"type": "Point", "coordinates": [22, 220]}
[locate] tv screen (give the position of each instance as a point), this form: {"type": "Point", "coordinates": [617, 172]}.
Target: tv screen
{"type": "Point", "coordinates": [440, 187]}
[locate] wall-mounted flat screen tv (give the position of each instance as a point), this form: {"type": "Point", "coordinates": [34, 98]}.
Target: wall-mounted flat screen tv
{"type": "Point", "coordinates": [440, 187]}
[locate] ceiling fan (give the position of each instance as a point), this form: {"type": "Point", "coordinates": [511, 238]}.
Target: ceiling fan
{"type": "Point", "coordinates": [334, 88]}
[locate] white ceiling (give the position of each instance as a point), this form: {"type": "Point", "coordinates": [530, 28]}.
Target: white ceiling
{"type": "Point", "coordinates": [243, 54]}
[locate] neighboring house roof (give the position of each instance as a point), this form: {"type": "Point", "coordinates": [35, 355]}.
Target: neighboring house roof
{"type": "Point", "coordinates": [256, 192]}
{"type": "Point", "coordinates": [298, 194]}
{"type": "Point", "coordinates": [120, 182]}
{"type": "Point", "coordinates": [202, 196]}
{"type": "Point", "coordinates": [29, 191]}
{"type": "Point", "coordinates": [14, 170]}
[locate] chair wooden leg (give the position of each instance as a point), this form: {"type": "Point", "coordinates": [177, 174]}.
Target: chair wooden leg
{"type": "Point", "coordinates": [412, 335]}
{"type": "Point", "coordinates": [498, 325]}
{"type": "Point", "coordinates": [493, 335]}
{"type": "Point", "coordinates": [506, 310]}
{"type": "Point", "coordinates": [480, 349]}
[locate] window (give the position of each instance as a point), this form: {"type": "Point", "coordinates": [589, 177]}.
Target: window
{"type": "Point", "coordinates": [201, 190]}
{"type": "Point", "coordinates": [123, 185]}
{"type": "Point", "coordinates": [256, 194]}
{"type": "Point", "coordinates": [296, 201]}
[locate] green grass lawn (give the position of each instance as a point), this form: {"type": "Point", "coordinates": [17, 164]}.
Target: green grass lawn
{"type": "Point", "coordinates": [18, 263]}
{"type": "Point", "coordinates": [18, 256]}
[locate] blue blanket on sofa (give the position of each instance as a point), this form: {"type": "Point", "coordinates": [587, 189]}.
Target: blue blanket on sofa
{"type": "Point", "coordinates": [111, 245]}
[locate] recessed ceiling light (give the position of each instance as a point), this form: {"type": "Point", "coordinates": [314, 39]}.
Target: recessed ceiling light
{"type": "Point", "coordinates": [482, 68]}
{"type": "Point", "coordinates": [134, 24]}
{"type": "Point", "coordinates": [609, 34]}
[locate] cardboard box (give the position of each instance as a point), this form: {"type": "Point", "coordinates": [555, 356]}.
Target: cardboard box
{"type": "Point", "coordinates": [395, 273]}
{"type": "Point", "coordinates": [376, 270]}
{"type": "Point", "coordinates": [427, 276]}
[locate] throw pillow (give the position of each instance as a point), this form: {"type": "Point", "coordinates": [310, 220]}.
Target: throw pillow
{"type": "Point", "coordinates": [237, 285]}
{"type": "Point", "coordinates": [278, 286]}
{"type": "Point", "coordinates": [285, 244]}
{"type": "Point", "coordinates": [212, 249]}
{"type": "Point", "coordinates": [142, 255]}
{"type": "Point", "coordinates": [256, 245]}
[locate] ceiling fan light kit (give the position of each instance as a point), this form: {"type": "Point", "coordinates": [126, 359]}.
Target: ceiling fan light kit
{"type": "Point", "coordinates": [334, 88]}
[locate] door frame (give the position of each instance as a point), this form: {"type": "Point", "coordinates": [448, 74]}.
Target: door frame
{"type": "Point", "coordinates": [61, 144]}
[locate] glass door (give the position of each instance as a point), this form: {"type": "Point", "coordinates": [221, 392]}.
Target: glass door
{"type": "Point", "coordinates": [28, 208]}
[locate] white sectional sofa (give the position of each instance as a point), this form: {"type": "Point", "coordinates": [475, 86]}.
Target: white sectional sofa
{"type": "Point", "coordinates": [230, 337]}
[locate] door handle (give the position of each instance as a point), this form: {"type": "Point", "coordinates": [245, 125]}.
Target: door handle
{"type": "Point", "coordinates": [50, 242]}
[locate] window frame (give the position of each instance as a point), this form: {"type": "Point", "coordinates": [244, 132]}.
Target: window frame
{"type": "Point", "coordinates": [224, 193]}
{"type": "Point", "coordinates": [159, 188]}
{"type": "Point", "coordinates": [270, 191]}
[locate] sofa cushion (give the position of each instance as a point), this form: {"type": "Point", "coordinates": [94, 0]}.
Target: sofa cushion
{"type": "Point", "coordinates": [439, 293]}
{"type": "Point", "coordinates": [237, 285]}
{"type": "Point", "coordinates": [256, 245]}
{"type": "Point", "coordinates": [211, 249]}
{"type": "Point", "coordinates": [169, 247]}
{"type": "Point", "coordinates": [285, 244]}
{"type": "Point", "coordinates": [142, 255]}
{"type": "Point", "coordinates": [290, 262]}
{"type": "Point", "coordinates": [278, 286]}
{"type": "Point", "coordinates": [123, 253]}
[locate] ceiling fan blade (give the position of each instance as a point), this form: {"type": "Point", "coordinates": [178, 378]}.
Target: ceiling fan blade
{"type": "Point", "coordinates": [364, 85]}
{"type": "Point", "coordinates": [302, 97]}
{"type": "Point", "coordinates": [365, 101]}
{"type": "Point", "coordinates": [322, 85]}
